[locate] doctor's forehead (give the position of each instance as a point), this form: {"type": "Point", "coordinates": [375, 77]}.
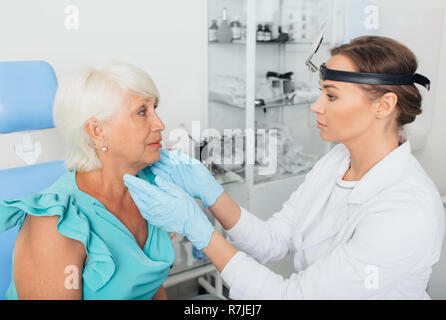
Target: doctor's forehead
{"type": "Point", "coordinates": [327, 84]}
{"type": "Point", "coordinates": [341, 62]}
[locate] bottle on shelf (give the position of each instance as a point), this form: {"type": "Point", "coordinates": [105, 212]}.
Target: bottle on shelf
{"type": "Point", "coordinates": [267, 34]}
{"type": "Point", "coordinates": [213, 31]}
{"type": "Point", "coordinates": [260, 33]}
{"type": "Point", "coordinates": [224, 34]}
{"type": "Point", "coordinates": [283, 37]}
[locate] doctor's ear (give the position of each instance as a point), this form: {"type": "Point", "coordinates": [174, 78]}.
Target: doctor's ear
{"type": "Point", "coordinates": [94, 129]}
{"type": "Point", "coordinates": [387, 104]}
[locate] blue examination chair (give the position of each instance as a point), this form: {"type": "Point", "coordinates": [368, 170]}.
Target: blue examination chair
{"type": "Point", "coordinates": [27, 90]}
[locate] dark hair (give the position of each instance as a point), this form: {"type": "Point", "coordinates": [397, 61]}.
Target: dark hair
{"type": "Point", "coordinates": [375, 54]}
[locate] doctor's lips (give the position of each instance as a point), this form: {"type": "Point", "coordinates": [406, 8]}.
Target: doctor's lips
{"type": "Point", "coordinates": [155, 144]}
{"type": "Point", "coordinates": [321, 125]}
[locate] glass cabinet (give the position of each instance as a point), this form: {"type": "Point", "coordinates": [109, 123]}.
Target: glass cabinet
{"type": "Point", "coordinates": [259, 89]}
{"type": "Point", "coordinates": [261, 137]}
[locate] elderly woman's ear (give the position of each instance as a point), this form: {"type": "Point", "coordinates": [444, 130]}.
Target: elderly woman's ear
{"type": "Point", "coordinates": [96, 132]}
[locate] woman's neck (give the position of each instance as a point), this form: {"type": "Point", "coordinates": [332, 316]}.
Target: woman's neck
{"type": "Point", "coordinates": [366, 151]}
{"type": "Point", "coordinates": [106, 183]}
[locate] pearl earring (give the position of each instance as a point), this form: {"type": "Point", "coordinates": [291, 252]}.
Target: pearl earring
{"type": "Point", "coordinates": [104, 149]}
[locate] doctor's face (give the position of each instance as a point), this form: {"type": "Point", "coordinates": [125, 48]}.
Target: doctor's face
{"type": "Point", "coordinates": [133, 134]}
{"type": "Point", "coordinates": [343, 108]}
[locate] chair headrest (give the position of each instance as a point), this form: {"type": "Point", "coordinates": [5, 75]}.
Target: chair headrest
{"type": "Point", "coordinates": [27, 90]}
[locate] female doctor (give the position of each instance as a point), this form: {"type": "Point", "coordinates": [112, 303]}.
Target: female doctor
{"type": "Point", "coordinates": [367, 222]}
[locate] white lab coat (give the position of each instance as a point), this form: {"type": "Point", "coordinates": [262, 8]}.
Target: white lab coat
{"type": "Point", "coordinates": [383, 249]}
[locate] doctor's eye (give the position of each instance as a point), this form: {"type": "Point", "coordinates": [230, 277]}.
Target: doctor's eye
{"type": "Point", "coordinates": [142, 110]}
{"type": "Point", "coordinates": [330, 97]}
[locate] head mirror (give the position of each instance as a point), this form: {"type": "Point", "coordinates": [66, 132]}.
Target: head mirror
{"type": "Point", "coordinates": [314, 48]}
{"type": "Point", "coordinates": [361, 77]}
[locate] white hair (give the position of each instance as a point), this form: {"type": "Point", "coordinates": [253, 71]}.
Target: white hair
{"type": "Point", "coordinates": [94, 92]}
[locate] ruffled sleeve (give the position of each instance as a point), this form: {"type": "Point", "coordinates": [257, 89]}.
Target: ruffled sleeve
{"type": "Point", "coordinates": [72, 223]}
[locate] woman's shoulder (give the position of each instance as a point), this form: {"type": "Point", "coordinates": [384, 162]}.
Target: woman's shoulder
{"type": "Point", "coordinates": [39, 236]}
{"type": "Point", "coordinates": [412, 198]}
{"type": "Point", "coordinates": [64, 212]}
{"type": "Point", "coordinates": [415, 186]}
{"type": "Point", "coordinates": [41, 249]}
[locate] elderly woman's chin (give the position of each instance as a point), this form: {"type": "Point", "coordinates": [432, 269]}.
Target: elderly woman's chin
{"type": "Point", "coordinates": [151, 155]}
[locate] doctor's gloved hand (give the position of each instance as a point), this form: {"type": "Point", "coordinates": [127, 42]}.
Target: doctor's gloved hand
{"type": "Point", "coordinates": [190, 174]}
{"type": "Point", "coordinates": [168, 207]}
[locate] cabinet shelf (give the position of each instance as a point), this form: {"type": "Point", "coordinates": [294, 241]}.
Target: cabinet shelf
{"type": "Point", "coordinates": [271, 106]}
{"type": "Point", "coordinates": [280, 105]}
{"type": "Point", "coordinates": [266, 43]}
{"type": "Point", "coordinates": [260, 179]}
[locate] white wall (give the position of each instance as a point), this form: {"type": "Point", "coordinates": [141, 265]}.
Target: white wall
{"type": "Point", "coordinates": [163, 37]}
{"type": "Point", "coordinates": [421, 26]}
{"type": "Point", "coordinates": [433, 157]}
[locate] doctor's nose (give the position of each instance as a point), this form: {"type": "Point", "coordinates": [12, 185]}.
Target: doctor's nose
{"type": "Point", "coordinates": [317, 107]}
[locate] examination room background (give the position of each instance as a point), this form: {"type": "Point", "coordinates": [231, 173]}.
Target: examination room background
{"type": "Point", "coordinates": [166, 38]}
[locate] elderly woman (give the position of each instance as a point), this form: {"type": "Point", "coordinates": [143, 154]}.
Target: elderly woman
{"type": "Point", "coordinates": [83, 237]}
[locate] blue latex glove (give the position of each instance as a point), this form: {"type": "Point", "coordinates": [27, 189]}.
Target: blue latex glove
{"type": "Point", "coordinates": [190, 174]}
{"type": "Point", "coordinates": [168, 207]}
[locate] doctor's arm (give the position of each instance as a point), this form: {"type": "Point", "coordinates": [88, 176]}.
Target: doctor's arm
{"type": "Point", "coordinates": [226, 211]}
{"type": "Point", "coordinates": [374, 260]}
{"type": "Point", "coordinates": [263, 240]}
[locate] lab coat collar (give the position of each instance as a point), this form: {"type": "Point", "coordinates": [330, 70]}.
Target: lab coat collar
{"type": "Point", "coordinates": [384, 173]}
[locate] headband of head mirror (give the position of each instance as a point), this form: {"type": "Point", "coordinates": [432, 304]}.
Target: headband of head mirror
{"type": "Point", "coordinates": [362, 77]}
{"type": "Point", "coordinates": [373, 78]}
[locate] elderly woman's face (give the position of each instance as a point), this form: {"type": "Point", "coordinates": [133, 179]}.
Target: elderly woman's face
{"type": "Point", "coordinates": [133, 134]}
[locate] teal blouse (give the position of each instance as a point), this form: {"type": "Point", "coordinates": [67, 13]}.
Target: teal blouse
{"type": "Point", "coordinates": [117, 268]}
